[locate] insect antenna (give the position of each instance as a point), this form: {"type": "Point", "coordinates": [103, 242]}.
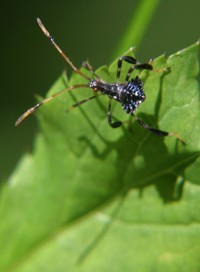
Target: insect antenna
{"type": "Point", "coordinates": [75, 69]}
{"type": "Point", "coordinates": [34, 108]}
{"type": "Point", "coordinates": [46, 32]}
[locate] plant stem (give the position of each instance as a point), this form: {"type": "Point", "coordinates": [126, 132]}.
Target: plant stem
{"type": "Point", "coordinates": [138, 26]}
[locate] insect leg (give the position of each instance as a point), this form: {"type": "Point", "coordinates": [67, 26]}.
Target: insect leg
{"type": "Point", "coordinates": [88, 67]}
{"type": "Point", "coordinates": [115, 124]}
{"type": "Point", "coordinates": [139, 66]}
{"type": "Point", "coordinates": [128, 59]}
{"type": "Point", "coordinates": [135, 65]}
{"type": "Point", "coordinates": [81, 102]}
{"type": "Point", "coordinates": [159, 132]}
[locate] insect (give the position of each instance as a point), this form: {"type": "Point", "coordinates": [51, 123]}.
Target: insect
{"type": "Point", "coordinates": [129, 94]}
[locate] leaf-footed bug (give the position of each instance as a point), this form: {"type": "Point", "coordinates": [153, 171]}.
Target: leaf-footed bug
{"type": "Point", "coordinates": [129, 94]}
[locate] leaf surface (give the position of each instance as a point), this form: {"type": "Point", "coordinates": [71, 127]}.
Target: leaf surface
{"type": "Point", "coordinates": [95, 198]}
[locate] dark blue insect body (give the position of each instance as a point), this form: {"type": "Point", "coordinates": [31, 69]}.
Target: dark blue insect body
{"type": "Point", "coordinates": [129, 94]}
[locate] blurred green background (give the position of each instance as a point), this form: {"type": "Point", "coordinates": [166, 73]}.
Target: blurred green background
{"type": "Point", "coordinates": [85, 30]}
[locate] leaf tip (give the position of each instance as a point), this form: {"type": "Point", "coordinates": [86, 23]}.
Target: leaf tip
{"type": "Point", "coordinates": [198, 42]}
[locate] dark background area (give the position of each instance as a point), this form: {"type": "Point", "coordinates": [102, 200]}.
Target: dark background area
{"type": "Point", "coordinates": [85, 30]}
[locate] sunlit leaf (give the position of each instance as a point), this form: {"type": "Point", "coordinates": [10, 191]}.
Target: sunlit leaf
{"type": "Point", "coordinates": [93, 198]}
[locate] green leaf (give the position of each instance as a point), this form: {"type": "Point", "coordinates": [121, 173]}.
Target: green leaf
{"type": "Point", "coordinates": [93, 198]}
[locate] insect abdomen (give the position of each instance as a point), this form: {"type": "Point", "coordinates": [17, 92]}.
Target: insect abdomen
{"type": "Point", "coordinates": [132, 95]}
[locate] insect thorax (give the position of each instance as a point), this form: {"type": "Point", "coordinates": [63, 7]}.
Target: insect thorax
{"type": "Point", "coordinates": [129, 95]}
